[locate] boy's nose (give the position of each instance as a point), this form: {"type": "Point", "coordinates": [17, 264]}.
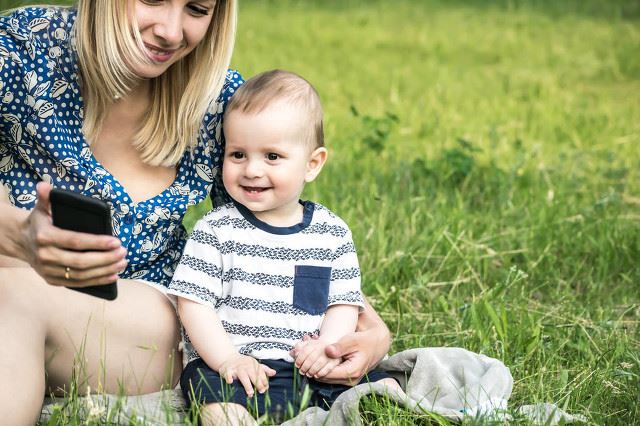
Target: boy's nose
{"type": "Point", "coordinates": [253, 169]}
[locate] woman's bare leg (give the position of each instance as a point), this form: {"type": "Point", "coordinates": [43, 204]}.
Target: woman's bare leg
{"type": "Point", "coordinates": [227, 414]}
{"type": "Point", "coordinates": [49, 335]}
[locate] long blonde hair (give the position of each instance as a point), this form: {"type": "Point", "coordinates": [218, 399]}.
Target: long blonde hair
{"type": "Point", "coordinates": [180, 97]}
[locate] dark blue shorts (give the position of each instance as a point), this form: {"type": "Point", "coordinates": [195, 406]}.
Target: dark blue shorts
{"type": "Point", "coordinates": [201, 385]}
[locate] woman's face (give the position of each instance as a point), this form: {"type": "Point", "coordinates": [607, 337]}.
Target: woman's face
{"type": "Point", "coordinates": [170, 29]}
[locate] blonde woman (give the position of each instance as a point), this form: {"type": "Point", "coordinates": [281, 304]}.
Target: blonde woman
{"type": "Point", "coordinates": [122, 101]}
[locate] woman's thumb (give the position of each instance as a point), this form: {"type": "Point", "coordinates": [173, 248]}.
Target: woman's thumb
{"type": "Point", "coordinates": [342, 347]}
{"type": "Point", "coordinates": [43, 189]}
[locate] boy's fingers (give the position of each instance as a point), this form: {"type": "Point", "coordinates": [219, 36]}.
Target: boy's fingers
{"type": "Point", "coordinates": [317, 366]}
{"type": "Point", "coordinates": [308, 363]}
{"type": "Point", "coordinates": [309, 353]}
{"type": "Point", "coordinates": [228, 376]}
{"type": "Point", "coordinates": [262, 382]}
{"type": "Point", "coordinates": [268, 370]}
{"type": "Point", "coordinates": [297, 349]}
{"type": "Point", "coordinates": [245, 380]}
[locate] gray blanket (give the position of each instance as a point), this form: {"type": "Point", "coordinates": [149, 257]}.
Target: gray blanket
{"type": "Point", "coordinates": [449, 382]}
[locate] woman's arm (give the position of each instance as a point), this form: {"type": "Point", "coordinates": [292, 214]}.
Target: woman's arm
{"type": "Point", "coordinates": [31, 237]}
{"type": "Point", "coordinates": [311, 358]}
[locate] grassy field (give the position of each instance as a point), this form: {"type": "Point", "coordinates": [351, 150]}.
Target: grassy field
{"type": "Point", "coordinates": [486, 155]}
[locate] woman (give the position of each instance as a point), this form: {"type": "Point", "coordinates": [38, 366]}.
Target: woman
{"type": "Point", "coordinates": [121, 101]}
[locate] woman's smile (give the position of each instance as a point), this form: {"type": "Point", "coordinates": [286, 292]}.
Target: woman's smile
{"type": "Point", "coordinates": [157, 54]}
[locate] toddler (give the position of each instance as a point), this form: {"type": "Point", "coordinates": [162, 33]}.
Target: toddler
{"type": "Point", "coordinates": [264, 271]}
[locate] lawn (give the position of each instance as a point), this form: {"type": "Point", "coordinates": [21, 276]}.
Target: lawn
{"type": "Point", "coordinates": [486, 156]}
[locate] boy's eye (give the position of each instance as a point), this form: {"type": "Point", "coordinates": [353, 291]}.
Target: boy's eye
{"type": "Point", "coordinates": [237, 155]}
{"type": "Point", "coordinates": [272, 156]}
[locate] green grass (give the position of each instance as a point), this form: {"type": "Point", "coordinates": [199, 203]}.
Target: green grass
{"type": "Point", "coordinates": [486, 157]}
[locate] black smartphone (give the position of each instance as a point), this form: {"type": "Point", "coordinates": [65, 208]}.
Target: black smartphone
{"type": "Point", "coordinates": [77, 212]}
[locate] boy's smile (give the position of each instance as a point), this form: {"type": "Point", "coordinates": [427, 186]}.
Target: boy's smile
{"type": "Point", "coordinates": [268, 161]}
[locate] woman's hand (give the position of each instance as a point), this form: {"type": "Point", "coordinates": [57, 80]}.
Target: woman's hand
{"type": "Point", "coordinates": [68, 258]}
{"type": "Point", "coordinates": [312, 360]}
{"type": "Point", "coordinates": [359, 351]}
{"type": "Point", "coordinates": [248, 371]}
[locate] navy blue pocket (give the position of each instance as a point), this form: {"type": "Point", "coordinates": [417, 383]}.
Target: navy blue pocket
{"type": "Point", "coordinates": [311, 288]}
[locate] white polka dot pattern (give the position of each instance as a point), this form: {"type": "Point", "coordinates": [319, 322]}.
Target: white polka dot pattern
{"type": "Point", "coordinates": [41, 138]}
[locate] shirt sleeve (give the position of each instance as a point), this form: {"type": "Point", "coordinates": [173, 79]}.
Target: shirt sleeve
{"type": "Point", "coordinates": [198, 276]}
{"type": "Point", "coordinates": [344, 287]}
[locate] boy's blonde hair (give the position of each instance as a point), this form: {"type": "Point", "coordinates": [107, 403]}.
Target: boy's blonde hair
{"type": "Point", "coordinates": [180, 97]}
{"type": "Point", "coordinates": [264, 89]}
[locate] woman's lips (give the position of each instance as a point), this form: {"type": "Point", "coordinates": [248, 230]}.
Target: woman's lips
{"type": "Point", "coordinates": [157, 54]}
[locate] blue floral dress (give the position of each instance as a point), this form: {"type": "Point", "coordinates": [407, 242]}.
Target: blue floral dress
{"type": "Point", "coordinates": [41, 139]}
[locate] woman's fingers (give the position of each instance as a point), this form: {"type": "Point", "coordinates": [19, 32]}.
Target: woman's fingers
{"type": "Point", "coordinates": [80, 261]}
{"type": "Point", "coordinates": [70, 277]}
{"type": "Point", "coordinates": [63, 282]}
{"type": "Point", "coordinates": [327, 368]}
{"type": "Point", "coordinates": [80, 269]}
{"type": "Point", "coordinates": [77, 241]}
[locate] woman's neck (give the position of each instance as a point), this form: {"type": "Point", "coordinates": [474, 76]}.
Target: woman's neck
{"type": "Point", "coordinates": [133, 106]}
{"type": "Point", "coordinates": [124, 115]}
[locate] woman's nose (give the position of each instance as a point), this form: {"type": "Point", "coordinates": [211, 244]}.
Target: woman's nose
{"type": "Point", "coordinates": [169, 27]}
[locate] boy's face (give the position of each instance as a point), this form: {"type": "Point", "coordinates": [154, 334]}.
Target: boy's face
{"type": "Point", "coordinates": [267, 162]}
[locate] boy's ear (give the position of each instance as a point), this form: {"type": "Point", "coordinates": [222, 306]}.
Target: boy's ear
{"type": "Point", "coordinates": [316, 160]}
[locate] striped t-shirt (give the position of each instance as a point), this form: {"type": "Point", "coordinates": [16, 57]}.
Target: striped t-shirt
{"type": "Point", "coordinates": [270, 286]}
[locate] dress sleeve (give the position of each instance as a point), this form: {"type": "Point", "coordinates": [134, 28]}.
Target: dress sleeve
{"type": "Point", "coordinates": [233, 81]}
{"type": "Point", "coordinates": [198, 276]}
{"type": "Point", "coordinates": [344, 287]}
{"type": "Point", "coordinates": [14, 49]}
{"type": "Point", "coordinates": [34, 51]}
{"type": "Point", "coordinates": [27, 55]}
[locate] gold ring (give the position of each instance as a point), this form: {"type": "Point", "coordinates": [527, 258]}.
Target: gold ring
{"type": "Point", "coordinates": [66, 272]}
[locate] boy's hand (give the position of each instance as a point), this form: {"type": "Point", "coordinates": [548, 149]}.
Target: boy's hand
{"type": "Point", "coordinates": [311, 359]}
{"type": "Point", "coordinates": [248, 371]}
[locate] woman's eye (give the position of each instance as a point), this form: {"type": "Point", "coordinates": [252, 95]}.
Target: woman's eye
{"type": "Point", "coordinates": [198, 10]}
{"type": "Point", "coordinates": [272, 156]}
